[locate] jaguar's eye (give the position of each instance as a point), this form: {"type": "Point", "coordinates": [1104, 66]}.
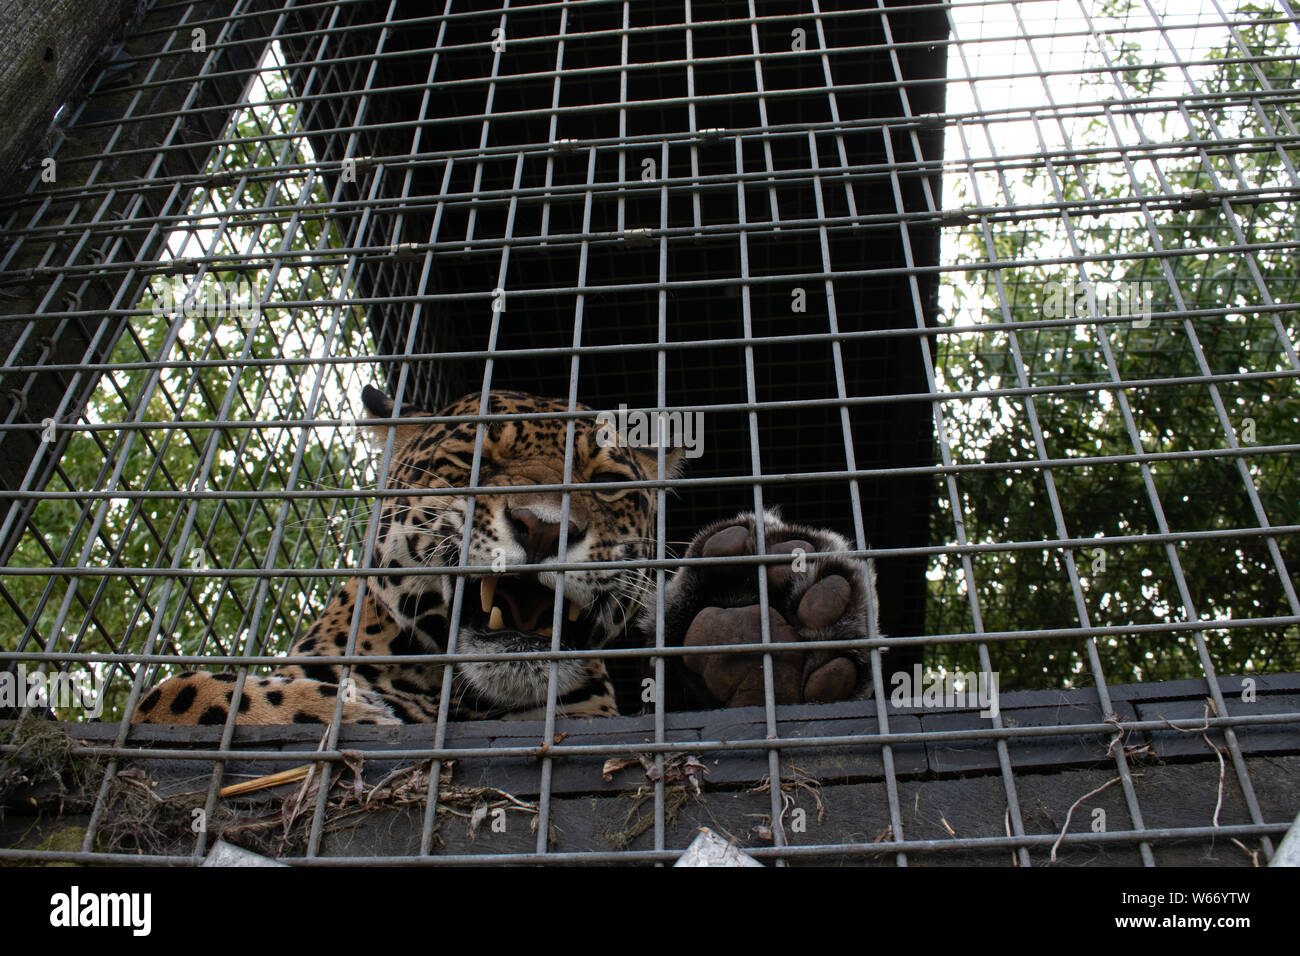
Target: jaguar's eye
{"type": "Point", "coordinates": [604, 476]}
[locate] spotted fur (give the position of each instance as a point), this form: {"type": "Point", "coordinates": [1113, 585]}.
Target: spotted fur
{"type": "Point", "coordinates": [423, 530]}
{"type": "Point", "coordinates": [407, 614]}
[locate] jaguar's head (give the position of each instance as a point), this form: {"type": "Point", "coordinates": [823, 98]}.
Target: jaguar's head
{"type": "Point", "coordinates": [503, 609]}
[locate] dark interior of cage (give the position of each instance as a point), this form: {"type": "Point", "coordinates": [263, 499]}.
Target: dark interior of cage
{"type": "Point", "coordinates": [581, 237]}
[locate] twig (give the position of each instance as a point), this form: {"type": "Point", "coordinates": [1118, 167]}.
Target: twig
{"type": "Point", "coordinates": [1253, 854]}
{"type": "Point", "coordinates": [800, 781]}
{"type": "Point", "coordinates": [1218, 802]}
{"type": "Point", "coordinates": [1006, 822]}
{"type": "Point", "coordinates": [127, 776]}
{"type": "Point", "coordinates": [292, 806]}
{"type": "Point", "coordinates": [400, 771]}
{"type": "Point", "coordinates": [1076, 803]}
{"type": "Point", "coordinates": [1119, 733]}
{"type": "Point", "coordinates": [1202, 730]}
{"type": "Point", "coordinates": [266, 782]}
{"type": "Point", "coordinates": [1191, 730]}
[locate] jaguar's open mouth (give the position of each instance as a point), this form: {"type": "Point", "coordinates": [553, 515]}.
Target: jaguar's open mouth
{"type": "Point", "coordinates": [523, 605]}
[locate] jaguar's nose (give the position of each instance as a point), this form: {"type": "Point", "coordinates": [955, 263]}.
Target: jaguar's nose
{"type": "Point", "coordinates": [538, 537]}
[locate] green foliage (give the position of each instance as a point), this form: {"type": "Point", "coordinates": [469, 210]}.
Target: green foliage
{"type": "Point", "coordinates": [191, 366]}
{"type": "Point", "coordinates": [1124, 583]}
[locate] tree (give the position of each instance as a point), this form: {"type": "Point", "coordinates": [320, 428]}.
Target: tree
{"type": "Point", "coordinates": [1214, 269]}
{"type": "Point", "coordinates": [193, 352]}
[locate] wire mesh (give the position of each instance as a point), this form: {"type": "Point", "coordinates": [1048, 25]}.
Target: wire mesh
{"type": "Point", "coordinates": [1003, 292]}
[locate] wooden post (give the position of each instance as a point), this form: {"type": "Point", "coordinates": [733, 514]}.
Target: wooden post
{"type": "Point", "coordinates": [45, 48]}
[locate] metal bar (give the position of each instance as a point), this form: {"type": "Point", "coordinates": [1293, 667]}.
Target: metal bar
{"type": "Point", "coordinates": [392, 183]}
{"type": "Point", "coordinates": [990, 844]}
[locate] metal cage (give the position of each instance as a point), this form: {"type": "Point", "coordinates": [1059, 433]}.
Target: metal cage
{"type": "Point", "coordinates": [1003, 291]}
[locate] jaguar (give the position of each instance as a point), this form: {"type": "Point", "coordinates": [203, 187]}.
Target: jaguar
{"type": "Point", "coordinates": [442, 555]}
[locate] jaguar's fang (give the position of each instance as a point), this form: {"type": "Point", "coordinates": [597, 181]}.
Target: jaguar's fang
{"type": "Point", "coordinates": [574, 611]}
{"type": "Point", "coordinates": [496, 622]}
{"type": "Point", "coordinates": [487, 590]}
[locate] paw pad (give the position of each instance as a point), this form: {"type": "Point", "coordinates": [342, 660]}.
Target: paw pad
{"type": "Point", "coordinates": [728, 543]}
{"type": "Point", "coordinates": [834, 680]}
{"type": "Point", "coordinates": [825, 602]}
{"type": "Point", "coordinates": [737, 679]}
{"type": "Point", "coordinates": [779, 575]}
{"type": "Point", "coordinates": [818, 599]}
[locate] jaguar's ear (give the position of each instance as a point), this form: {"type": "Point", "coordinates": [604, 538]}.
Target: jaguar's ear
{"type": "Point", "coordinates": [377, 403]}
